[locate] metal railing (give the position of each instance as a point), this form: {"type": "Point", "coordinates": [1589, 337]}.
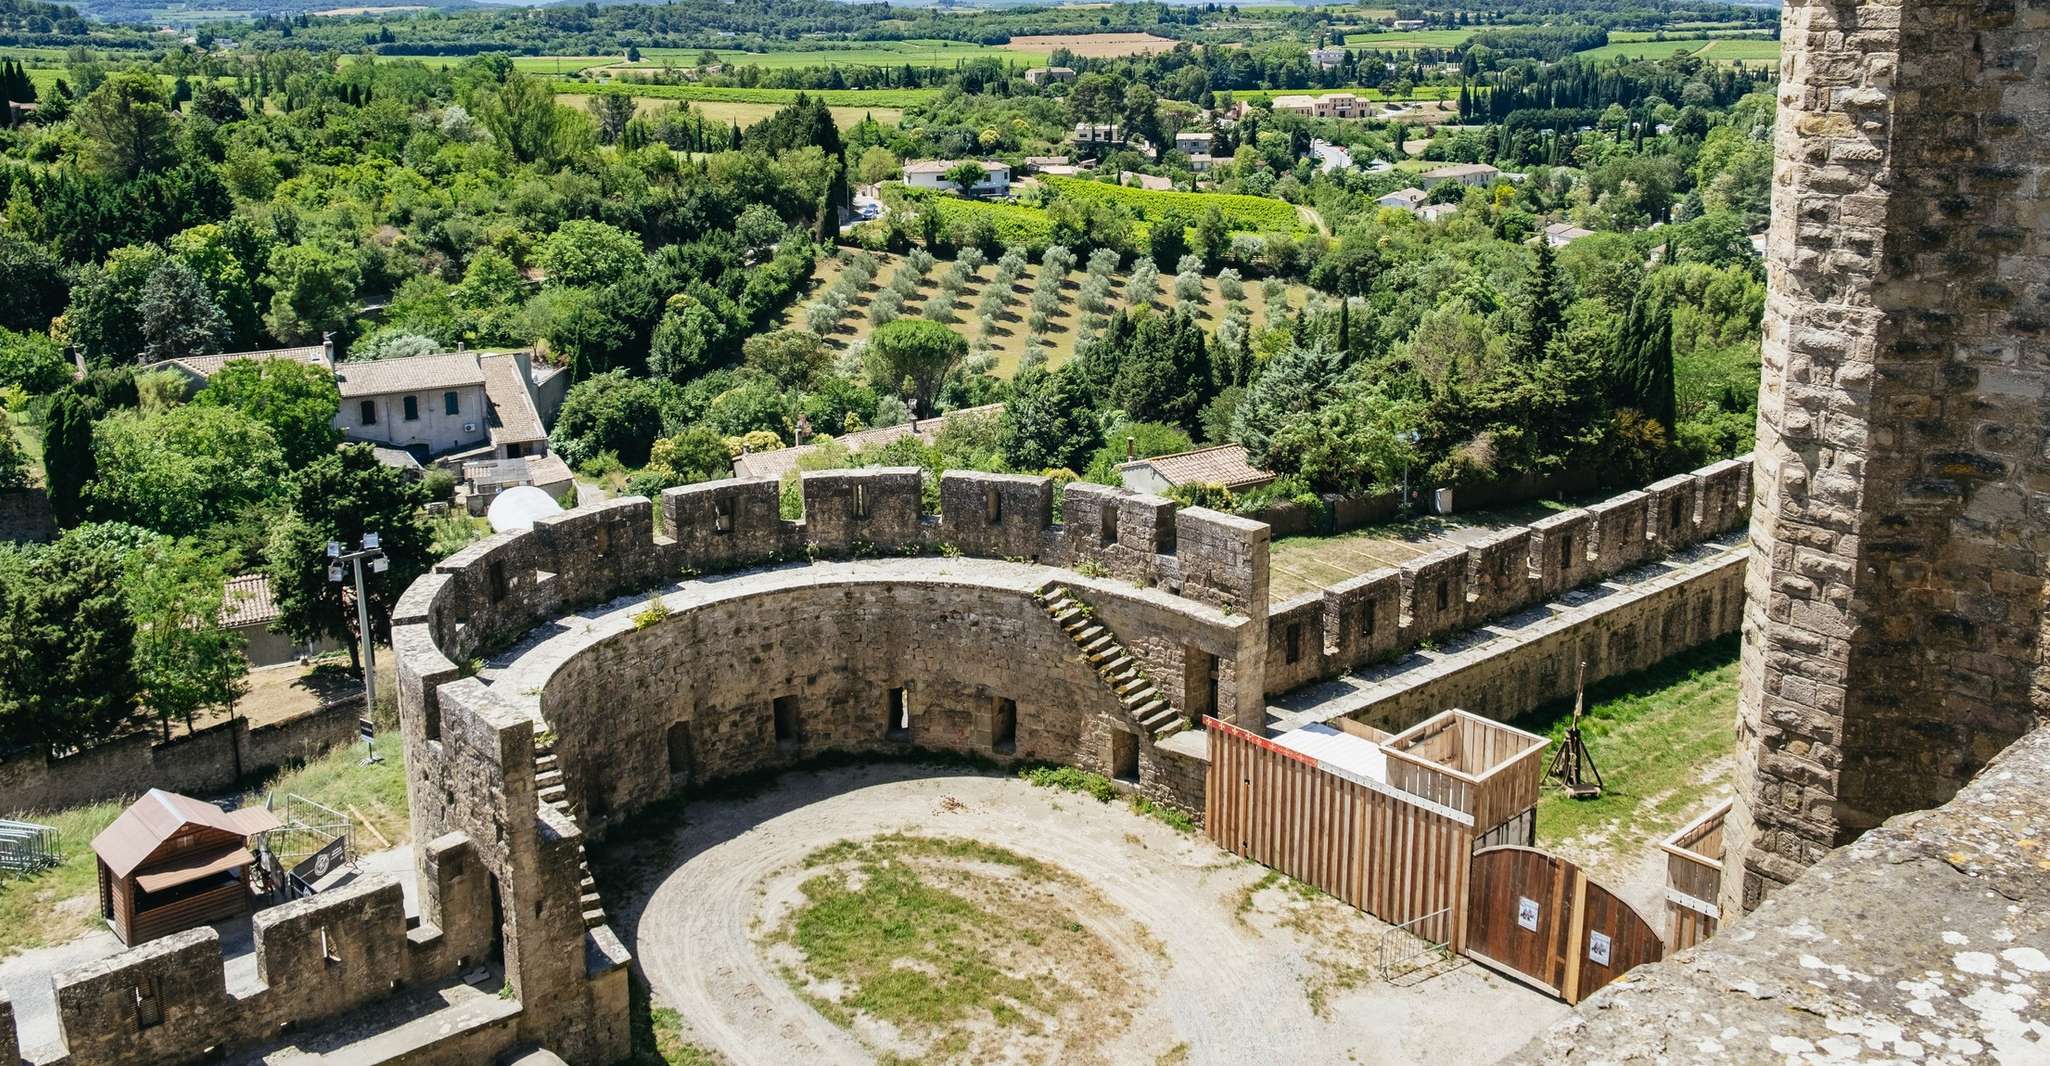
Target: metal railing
{"type": "Point", "coordinates": [26, 847]}
{"type": "Point", "coordinates": [1402, 946]}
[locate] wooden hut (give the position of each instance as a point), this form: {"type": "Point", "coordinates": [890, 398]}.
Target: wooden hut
{"type": "Point", "coordinates": [171, 862]}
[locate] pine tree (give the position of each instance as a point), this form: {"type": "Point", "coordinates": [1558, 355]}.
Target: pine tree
{"type": "Point", "coordinates": [1641, 366]}
{"type": "Point", "coordinates": [1542, 311]}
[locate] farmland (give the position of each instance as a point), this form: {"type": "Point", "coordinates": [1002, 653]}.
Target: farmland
{"type": "Point", "coordinates": [1421, 92]}
{"type": "Point", "coordinates": [1256, 214]}
{"type": "Point", "coordinates": [1092, 45]}
{"type": "Point", "coordinates": [1008, 342]}
{"type": "Point", "coordinates": [1717, 49]}
{"type": "Point", "coordinates": [844, 98]}
{"type": "Point", "coordinates": [746, 114]}
{"type": "Point", "coordinates": [1405, 40]}
{"type": "Point", "coordinates": [917, 53]}
{"type": "Point", "coordinates": [525, 64]}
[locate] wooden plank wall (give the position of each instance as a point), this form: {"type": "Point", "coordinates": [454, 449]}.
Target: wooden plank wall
{"type": "Point", "coordinates": [1694, 869]}
{"type": "Point", "coordinates": [1397, 861]}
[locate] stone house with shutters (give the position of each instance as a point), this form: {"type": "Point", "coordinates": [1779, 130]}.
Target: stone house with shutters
{"type": "Point", "coordinates": [453, 406]}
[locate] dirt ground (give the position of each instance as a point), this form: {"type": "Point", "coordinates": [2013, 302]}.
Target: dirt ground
{"type": "Point", "coordinates": [1231, 964]}
{"type": "Point", "coordinates": [1095, 45]}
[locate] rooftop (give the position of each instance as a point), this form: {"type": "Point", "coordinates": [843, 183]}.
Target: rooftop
{"type": "Point", "coordinates": [1224, 464]}
{"type": "Point", "coordinates": [420, 373]}
{"type": "Point", "coordinates": [158, 816]}
{"type": "Point", "coordinates": [513, 417]}
{"type": "Point", "coordinates": [248, 602]}
{"type": "Point", "coordinates": [206, 366]}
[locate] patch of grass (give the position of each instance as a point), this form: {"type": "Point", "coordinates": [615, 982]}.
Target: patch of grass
{"type": "Point", "coordinates": [1070, 779]}
{"type": "Point", "coordinates": [1655, 735]}
{"type": "Point", "coordinates": [58, 904]}
{"type": "Point", "coordinates": [657, 1033]}
{"type": "Point", "coordinates": [914, 933]}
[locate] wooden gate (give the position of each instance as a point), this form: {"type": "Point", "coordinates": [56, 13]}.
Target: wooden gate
{"type": "Point", "coordinates": [1538, 917]}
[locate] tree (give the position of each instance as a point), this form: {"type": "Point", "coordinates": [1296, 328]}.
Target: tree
{"type": "Point", "coordinates": [295, 401]}
{"type": "Point", "coordinates": [917, 351]}
{"type": "Point", "coordinates": [102, 318]}
{"type": "Point", "coordinates": [965, 176]}
{"type": "Point", "coordinates": [211, 250]}
{"type": "Point", "coordinates": [793, 357]}
{"type": "Point", "coordinates": [67, 675]}
{"type": "Point", "coordinates": [1168, 240]}
{"type": "Point", "coordinates": [185, 661]}
{"type": "Point", "coordinates": [1293, 384]}
{"type": "Point", "coordinates": [1543, 312]}
{"type": "Point", "coordinates": [14, 472]}
{"type": "Point", "coordinates": [876, 165]}
{"type": "Point", "coordinates": [126, 124]}
{"type": "Point", "coordinates": [340, 497]}
{"type": "Point", "coordinates": [1641, 366]}
{"type": "Point", "coordinates": [585, 253]}
{"type": "Point", "coordinates": [1165, 373]}
{"type": "Point", "coordinates": [32, 285]}
{"type": "Point", "coordinates": [1049, 423]}
{"type": "Point", "coordinates": [524, 119]}
{"type": "Point", "coordinates": [612, 111]}
{"type": "Point", "coordinates": [614, 413]}
{"type": "Point", "coordinates": [32, 362]}
{"type": "Point", "coordinates": [180, 470]}
{"type": "Point", "coordinates": [68, 454]}
{"type": "Point", "coordinates": [313, 291]}
{"type": "Point", "coordinates": [179, 316]}
{"type": "Point", "coordinates": [685, 338]}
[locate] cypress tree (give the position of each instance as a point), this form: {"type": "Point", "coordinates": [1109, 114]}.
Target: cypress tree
{"type": "Point", "coordinates": [68, 463]}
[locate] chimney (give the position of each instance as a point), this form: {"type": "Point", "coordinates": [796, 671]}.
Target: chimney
{"type": "Point", "coordinates": [327, 347]}
{"type": "Point", "coordinates": [1131, 449]}
{"type": "Point", "coordinates": [462, 346]}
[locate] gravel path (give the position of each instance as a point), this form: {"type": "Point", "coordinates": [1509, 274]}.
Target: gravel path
{"type": "Point", "coordinates": [1227, 984]}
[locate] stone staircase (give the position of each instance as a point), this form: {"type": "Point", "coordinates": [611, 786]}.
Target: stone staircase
{"type": "Point", "coordinates": [1144, 704]}
{"type": "Point", "coordinates": [555, 793]}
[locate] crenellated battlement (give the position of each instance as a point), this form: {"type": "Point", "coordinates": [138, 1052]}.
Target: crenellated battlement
{"type": "Point", "coordinates": [317, 958]}
{"type": "Point", "coordinates": [1383, 613]}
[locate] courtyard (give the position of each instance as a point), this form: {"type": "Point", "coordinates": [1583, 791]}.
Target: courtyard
{"type": "Point", "coordinates": [1009, 922]}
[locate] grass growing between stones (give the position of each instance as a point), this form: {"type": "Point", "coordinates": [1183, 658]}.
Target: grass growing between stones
{"type": "Point", "coordinates": [1069, 779]}
{"type": "Point", "coordinates": [658, 1033]}
{"type": "Point", "coordinates": [936, 949]}
{"type": "Point", "coordinates": [1663, 739]}
{"type": "Point", "coordinates": [58, 904]}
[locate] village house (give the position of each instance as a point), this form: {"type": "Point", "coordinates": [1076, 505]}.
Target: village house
{"type": "Point", "coordinates": [1405, 199]}
{"type": "Point", "coordinates": [1192, 142]}
{"type": "Point", "coordinates": [1098, 134]}
{"type": "Point", "coordinates": [1561, 234]}
{"type": "Point", "coordinates": [1203, 162]}
{"type": "Point", "coordinates": [249, 608]}
{"type": "Point", "coordinates": [1480, 174]}
{"type": "Point", "coordinates": [1437, 212]}
{"type": "Point", "coordinates": [1329, 105]}
{"type": "Point", "coordinates": [1326, 58]}
{"type": "Point", "coordinates": [932, 174]}
{"type": "Point", "coordinates": [454, 406]}
{"type": "Point", "coordinates": [1224, 465]}
{"type": "Point", "coordinates": [1049, 75]}
{"type": "Point", "coordinates": [199, 369]}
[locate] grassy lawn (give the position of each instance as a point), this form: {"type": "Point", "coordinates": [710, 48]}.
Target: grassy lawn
{"type": "Point", "coordinates": [1008, 343]}
{"type": "Point", "coordinates": [1664, 740]}
{"type": "Point", "coordinates": [961, 948]}
{"type": "Point", "coordinates": [1304, 563]}
{"type": "Point", "coordinates": [59, 904]}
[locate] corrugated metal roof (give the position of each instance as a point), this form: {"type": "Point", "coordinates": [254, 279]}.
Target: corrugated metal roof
{"type": "Point", "coordinates": [420, 373]}
{"type": "Point", "coordinates": [1335, 747]}
{"type": "Point", "coordinates": [1223, 464]}
{"type": "Point", "coordinates": [248, 602]}
{"type": "Point", "coordinates": [158, 816]}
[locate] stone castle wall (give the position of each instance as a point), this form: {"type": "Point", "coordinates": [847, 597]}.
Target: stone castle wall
{"type": "Point", "coordinates": [1896, 630]}
{"type": "Point", "coordinates": [1385, 613]}
{"type": "Point", "coordinates": [204, 762]}
{"type": "Point", "coordinates": [317, 958]}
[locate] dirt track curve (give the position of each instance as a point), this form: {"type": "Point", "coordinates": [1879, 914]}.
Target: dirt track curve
{"type": "Point", "coordinates": [1228, 982]}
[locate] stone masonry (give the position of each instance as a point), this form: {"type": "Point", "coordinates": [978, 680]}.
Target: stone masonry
{"type": "Point", "coordinates": [1895, 628]}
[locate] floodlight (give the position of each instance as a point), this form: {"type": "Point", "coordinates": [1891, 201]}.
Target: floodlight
{"type": "Point", "coordinates": [379, 565]}
{"type": "Point", "coordinates": [369, 541]}
{"type": "Point", "coordinates": [334, 573]}
{"type": "Point", "coordinates": [334, 549]}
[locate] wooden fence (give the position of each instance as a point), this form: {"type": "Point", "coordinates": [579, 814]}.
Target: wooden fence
{"type": "Point", "coordinates": [1694, 879]}
{"type": "Point", "coordinates": [1540, 918]}
{"type": "Point", "coordinates": [1468, 763]}
{"type": "Point", "coordinates": [1399, 859]}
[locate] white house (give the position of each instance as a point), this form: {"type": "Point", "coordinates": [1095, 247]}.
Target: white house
{"type": "Point", "coordinates": [1095, 133]}
{"type": "Point", "coordinates": [1327, 58]}
{"type": "Point", "coordinates": [1405, 199]}
{"type": "Point", "coordinates": [931, 174]}
{"type": "Point", "coordinates": [1193, 142]}
{"type": "Point", "coordinates": [1464, 173]}
{"type": "Point", "coordinates": [1437, 212]}
{"type": "Point", "coordinates": [1203, 162]}
{"type": "Point", "coordinates": [460, 404]}
{"type": "Point", "coordinates": [1329, 105]}
{"type": "Point", "coordinates": [1561, 234]}
{"type": "Point", "coordinates": [1049, 75]}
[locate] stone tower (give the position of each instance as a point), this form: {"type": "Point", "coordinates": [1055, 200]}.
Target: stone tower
{"type": "Point", "coordinates": [1895, 628]}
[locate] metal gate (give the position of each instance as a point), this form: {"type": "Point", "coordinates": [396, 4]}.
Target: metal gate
{"type": "Point", "coordinates": [1538, 917]}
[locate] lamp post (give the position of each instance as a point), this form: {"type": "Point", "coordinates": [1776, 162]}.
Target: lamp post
{"type": "Point", "coordinates": [337, 559]}
{"type": "Point", "coordinates": [1412, 436]}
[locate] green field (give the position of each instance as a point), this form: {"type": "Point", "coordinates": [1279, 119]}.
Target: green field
{"type": "Point", "coordinates": [745, 115]}
{"type": "Point", "coordinates": [1256, 214]}
{"type": "Point", "coordinates": [877, 98]}
{"type": "Point", "coordinates": [918, 53]}
{"type": "Point", "coordinates": [1718, 49]}
{"type": "Point", "coordinates": [529, 64]}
